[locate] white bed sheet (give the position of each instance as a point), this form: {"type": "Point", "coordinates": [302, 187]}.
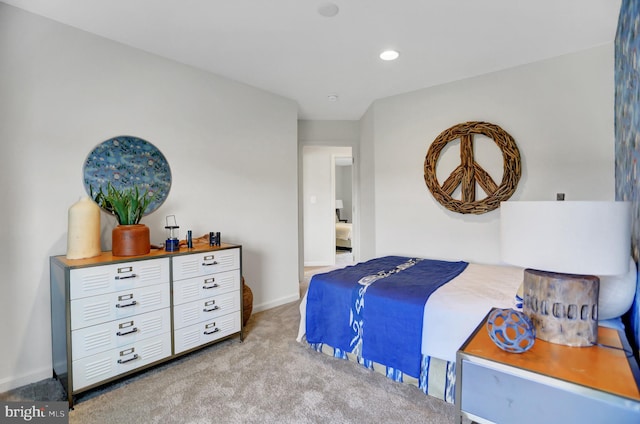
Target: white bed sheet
{"type": "Point", "coordinates": [343, 230]}
{"type": "Point", "coordinates": [455, 309]}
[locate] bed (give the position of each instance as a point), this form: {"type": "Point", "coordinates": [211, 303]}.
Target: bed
{"type": "Point", "coordinates": [414, 339]}
{"type": "Point", "coordinates": [343, 235]}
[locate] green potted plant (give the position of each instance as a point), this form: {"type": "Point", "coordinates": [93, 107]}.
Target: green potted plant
{"type": "Point", "coordinates": [129, 237]}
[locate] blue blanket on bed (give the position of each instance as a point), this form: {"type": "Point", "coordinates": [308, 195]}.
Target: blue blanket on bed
{"type": "Point", "coordinates": [375, 309]}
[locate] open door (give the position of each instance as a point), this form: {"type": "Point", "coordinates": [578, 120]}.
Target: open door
{"type": "Point", "coordinates": [344, 208]}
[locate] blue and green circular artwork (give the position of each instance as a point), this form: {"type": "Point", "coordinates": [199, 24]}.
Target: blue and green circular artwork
{"type": "Point", "coordinates": [128, 162]}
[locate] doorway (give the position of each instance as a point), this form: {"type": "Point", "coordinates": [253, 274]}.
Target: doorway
{"type": "Point", "coordinates": [343, 188]}
{"type": "Point", "coordinates": [324, 170]}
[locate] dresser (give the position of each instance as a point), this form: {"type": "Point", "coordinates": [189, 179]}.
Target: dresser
{"type": "Point", "coordinates": [112, 316]}
{"type": "Point", "coordinates": [206, 298]}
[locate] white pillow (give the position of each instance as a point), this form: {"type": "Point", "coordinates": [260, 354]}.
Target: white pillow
{"type": "Point", "coordinates": [617, 293]}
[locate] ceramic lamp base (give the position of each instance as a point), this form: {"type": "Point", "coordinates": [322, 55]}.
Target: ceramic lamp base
{"type": "Point", "coordinates": [563, 307]}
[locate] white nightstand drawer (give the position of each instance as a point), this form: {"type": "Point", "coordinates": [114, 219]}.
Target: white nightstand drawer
{"type": "Point", "coordinates": [501, 396]}
{"type": "Point", "coordinates": [110, 335]}
{"type": "Point", "coordinates": [205, 286]}
{"type": "Point", "coordinates": [97, 368]}
{"type": "Point", "coordinates": [205, 332]}
{"type": "Point", "coordinates": [205, 309]}
{"type": "Point", "coordinates": [103, 279]}
{"type": "Point", "coordinates": [108, 307]}
{"type": "Point", "coordinates": [187, 266]}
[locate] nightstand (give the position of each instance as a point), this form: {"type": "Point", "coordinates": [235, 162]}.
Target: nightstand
{"type": "Point", "coordinates": [549, 383]}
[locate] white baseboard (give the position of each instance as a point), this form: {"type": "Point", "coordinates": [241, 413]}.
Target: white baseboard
{"type": "Point", "coordinates": [318, 263]}
{"type": "Point", "coordinates": [275, 303]}
{"type": "Point", "coordinates": [13, 382]}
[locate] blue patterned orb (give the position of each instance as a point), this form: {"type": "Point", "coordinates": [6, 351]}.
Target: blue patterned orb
{"type": "Point", "coordinates": [511, 330]}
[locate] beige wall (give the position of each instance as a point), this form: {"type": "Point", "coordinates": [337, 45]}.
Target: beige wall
{"type": "Point", "coordinates": [560, 113]}
{"type": "Point", "coordinates": [231, 148]}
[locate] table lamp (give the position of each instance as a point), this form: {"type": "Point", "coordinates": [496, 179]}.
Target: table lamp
{"type": "Point", "coordinates": [564, 246]}
{"type": "Point", "coordinates": [339, 205]}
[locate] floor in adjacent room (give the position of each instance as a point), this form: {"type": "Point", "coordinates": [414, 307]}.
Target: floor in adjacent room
{"type": "Point", "coordinates": [343, 258]}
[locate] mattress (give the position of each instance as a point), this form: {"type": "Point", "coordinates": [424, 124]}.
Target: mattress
{"type": "Point", "coordinates": [456, 308]}
{"type": "Point", "coordinates": [343, 230]}
{"type": "Point", "coordinates": [343, 243]}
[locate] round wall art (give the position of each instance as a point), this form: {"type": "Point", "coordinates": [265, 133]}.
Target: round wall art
{"type": "Point", "coordinates": [469, 172]}
{"type": "Point", "coordinates": [127, 162]}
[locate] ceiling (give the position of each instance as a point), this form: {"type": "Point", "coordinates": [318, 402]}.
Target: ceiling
{"type": "Point", "coordinates": [287, 47]}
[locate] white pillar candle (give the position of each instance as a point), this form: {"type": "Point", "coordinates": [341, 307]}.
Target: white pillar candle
{"type": "Point", "coordinates": [83, 236]}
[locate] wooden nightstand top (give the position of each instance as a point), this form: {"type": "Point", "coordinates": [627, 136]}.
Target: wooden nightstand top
{"type": "Point", "coordinates": [597, 367]}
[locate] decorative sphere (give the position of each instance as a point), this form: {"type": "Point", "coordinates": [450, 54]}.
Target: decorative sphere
{"type": "Point", "coordinates": [511, 330]}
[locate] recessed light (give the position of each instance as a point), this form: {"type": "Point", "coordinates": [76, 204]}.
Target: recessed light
{"type": "Point", "coordinates": [332, 97]}
{"type": "Point", "coordinates": [389, 55]}
{"type": "Point", "coordinates": [328, 9]}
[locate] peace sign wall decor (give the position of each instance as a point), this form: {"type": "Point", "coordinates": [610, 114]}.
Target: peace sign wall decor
{"type": "Point", "coordinates": [469, 172]}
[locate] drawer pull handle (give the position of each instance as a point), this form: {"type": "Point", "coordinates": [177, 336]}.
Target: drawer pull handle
{"type": "Point", "coordinates": [209, 264]}
{"type": "Point", "coordinates": [211, 309]}
{"type": "Point", "coordinates": [124, 278]}
{"type": "Point", "coordinates": [133, 330]}
{"type": "Point", "coordinates": [211, 332]}
{"type": "Point", "coordinates": [124, 361]}
{"type": "Point", "coordinates": [120, 305]}
{"type": "Point", "coordinates": [210, 287]}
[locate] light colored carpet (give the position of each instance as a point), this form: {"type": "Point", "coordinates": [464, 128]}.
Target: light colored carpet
{"type": "Point", "coordinates": [268, 378]}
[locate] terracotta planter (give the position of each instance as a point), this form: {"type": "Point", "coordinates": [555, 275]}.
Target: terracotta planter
{"type": "Point", "coordinates": [130, 240]}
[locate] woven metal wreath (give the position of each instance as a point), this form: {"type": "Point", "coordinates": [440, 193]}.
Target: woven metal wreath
{"type": "Point", "coordinates": [469, 171]}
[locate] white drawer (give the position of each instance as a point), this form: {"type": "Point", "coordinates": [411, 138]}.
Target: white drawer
{"type": "Point", "coordinates": [513, 395]}
{"type": "Point", "coordinates": [97, 368]}
{"type": "Point", "coordinates": [187, 266]}
{"type": "Point", "coordinates": [205, 286]}
{"type": "Point", "coordinates": [108, 307]}
{"type": "Point", "coordinates": [110, 335]}
{"type": "Point", "coordinates": [98, 280]}
{"type": "Point", "coordinates": [205, 332]}
{"type": "Point", "coordinates": [205, 309]}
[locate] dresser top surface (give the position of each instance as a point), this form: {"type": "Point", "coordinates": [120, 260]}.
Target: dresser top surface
{"type": "Point", "coordinates": [108, 257]}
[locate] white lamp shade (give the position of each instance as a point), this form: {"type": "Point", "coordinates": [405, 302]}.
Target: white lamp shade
{"type": "Point", "coordinates": [587, 238]}
{"type": "Point", "coordinates": [339, 204]}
